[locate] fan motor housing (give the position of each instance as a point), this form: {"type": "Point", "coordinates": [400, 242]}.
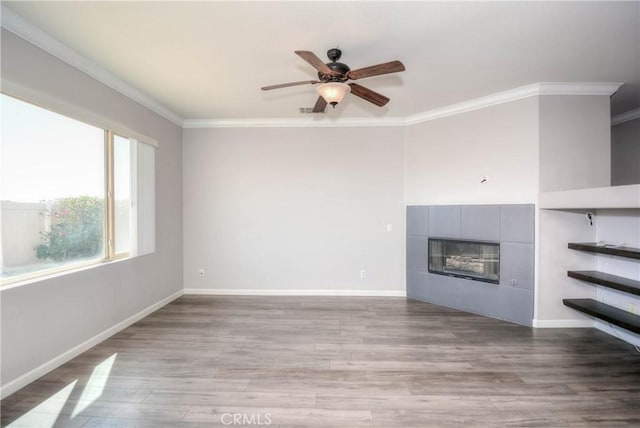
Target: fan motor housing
{"type": "Point", "coordinates": [337, 67]}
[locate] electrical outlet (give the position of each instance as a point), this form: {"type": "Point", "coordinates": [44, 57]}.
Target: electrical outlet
{"type": "Point", "coordinates": [201, 271]}
{"type": "Point", "coordinates": [363, 274]}
{"type": "Point", "coordinates": [514, 282]}
{"type": "Point", "coordinates": [633, 308]}
{"type": "Point", "coordinates": [389, 227]}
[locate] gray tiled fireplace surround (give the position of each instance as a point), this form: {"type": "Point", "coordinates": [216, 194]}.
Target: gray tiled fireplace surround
{"type": "Point", "coordinates": [511, 225]}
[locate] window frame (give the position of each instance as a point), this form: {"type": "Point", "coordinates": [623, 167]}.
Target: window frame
{"type": "Point", "coordinates": [108, 253]}
{"type": "Point", "coordinates": [110, 196]}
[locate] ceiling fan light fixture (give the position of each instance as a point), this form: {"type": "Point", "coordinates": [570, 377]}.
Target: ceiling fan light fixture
{"type": "Point", "coordinates": [333, 92]}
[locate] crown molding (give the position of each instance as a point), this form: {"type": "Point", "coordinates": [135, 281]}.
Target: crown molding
{"type": "Point", "coordinates": [625, 117]}
{"type": "Point", "coordinates": [535, 89]}
{"type": "Point", "coordinates": [583, 88]}
{"type": "Point", "coordinates": [475, 104]}
{"type": "Point", "coordinates": [294, 123]}
{"type": "Point", "coordinates": [21, 28]}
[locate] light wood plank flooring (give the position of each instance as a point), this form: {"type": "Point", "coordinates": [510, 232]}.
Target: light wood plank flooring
{"type": "Point", "coordinates": [202, 361]}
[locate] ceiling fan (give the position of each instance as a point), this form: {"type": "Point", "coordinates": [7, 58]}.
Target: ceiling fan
{"type": "Point", "coordinates": [333, 75]}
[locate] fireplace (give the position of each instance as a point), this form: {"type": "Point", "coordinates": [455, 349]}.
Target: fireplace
{"type": "Point", "coordinates": [476, 260]}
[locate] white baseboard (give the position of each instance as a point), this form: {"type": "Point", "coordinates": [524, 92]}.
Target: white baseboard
{"type": "Point", "coordinates": [586, 323]}
{"type": "Point", "coordinates": [22, 381]}
{"type": "Point", "coordinates": [293, 292]}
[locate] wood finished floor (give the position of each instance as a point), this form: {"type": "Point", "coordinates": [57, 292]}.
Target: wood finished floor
{"type": "Point", "coordinates": [335, 362]}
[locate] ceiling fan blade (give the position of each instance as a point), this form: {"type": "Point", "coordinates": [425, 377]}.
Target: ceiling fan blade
{"type": "Point", "coordinates": [284, 85]}
{"type": "Point", "coordinates": [376, 70]}
{"type": "Point", "coordinates": [321, 104]}
{"type": "Point", "coordinates": [316, 62]}
{"type": "Point", "coordinates": [368, 94]}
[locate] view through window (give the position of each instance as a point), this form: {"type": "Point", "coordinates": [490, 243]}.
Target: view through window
{"type": "Point", "coordinates": [55, 172]}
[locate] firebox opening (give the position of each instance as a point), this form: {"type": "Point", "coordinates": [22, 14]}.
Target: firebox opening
{"type": "Point", "coordinates": [475, 260]}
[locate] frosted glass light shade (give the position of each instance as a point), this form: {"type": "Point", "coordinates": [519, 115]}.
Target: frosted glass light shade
{"type": "Point", "coordinates": [333, 92]}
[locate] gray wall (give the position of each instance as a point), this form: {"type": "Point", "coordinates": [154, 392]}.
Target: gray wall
{"type": "Point", "coordinates": [44, 319]}
{"type": "Point", "coordinates": [511, 225]}
{"type": "Point", "coordinates": [446, 158]}
{"type": "Point", "coordinates": [294, 210]}
{"type": "Point", "coordinates": [575, 142]}
{"type": "Point", "coordinates": [625, 153]}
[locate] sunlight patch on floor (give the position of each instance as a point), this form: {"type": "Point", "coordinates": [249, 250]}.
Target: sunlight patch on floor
{"type": "Point", "coordinates": [45, 414]}
{"type": "Point", "coordinates": [95, 385]}
{"type": "Point", "coordinates": [48, 413]}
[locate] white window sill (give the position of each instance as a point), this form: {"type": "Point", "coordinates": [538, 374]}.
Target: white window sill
{"type": "Point", "coordinates": [71, 270]}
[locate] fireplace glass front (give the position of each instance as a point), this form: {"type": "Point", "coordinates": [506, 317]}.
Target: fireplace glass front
{"type": "Point", "coordinates": [475, 260]}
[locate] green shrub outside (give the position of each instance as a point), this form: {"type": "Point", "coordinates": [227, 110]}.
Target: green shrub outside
{"type": "Point", "coordinates": [77, 229]}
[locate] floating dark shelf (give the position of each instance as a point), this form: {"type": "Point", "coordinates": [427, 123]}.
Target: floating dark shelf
{"type": "Point", "coordinates": [612, 281]}
{"type": "Point", "coordinates": [592, 247]}
{"type": "Point", "coordinates": [605, 312]}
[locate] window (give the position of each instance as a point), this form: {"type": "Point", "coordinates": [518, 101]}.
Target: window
{"type": "Point", "coordinates": [68, 192]}
{"type": "Point", "coordinates": [122, 193]}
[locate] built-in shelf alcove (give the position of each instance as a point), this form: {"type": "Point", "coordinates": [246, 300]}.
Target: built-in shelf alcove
{"type": "Point", "coordinates": [590, 260]}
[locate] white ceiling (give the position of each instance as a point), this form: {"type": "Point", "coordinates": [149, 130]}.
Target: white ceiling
{"type": "Point", "coordinates": [209, 59]}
